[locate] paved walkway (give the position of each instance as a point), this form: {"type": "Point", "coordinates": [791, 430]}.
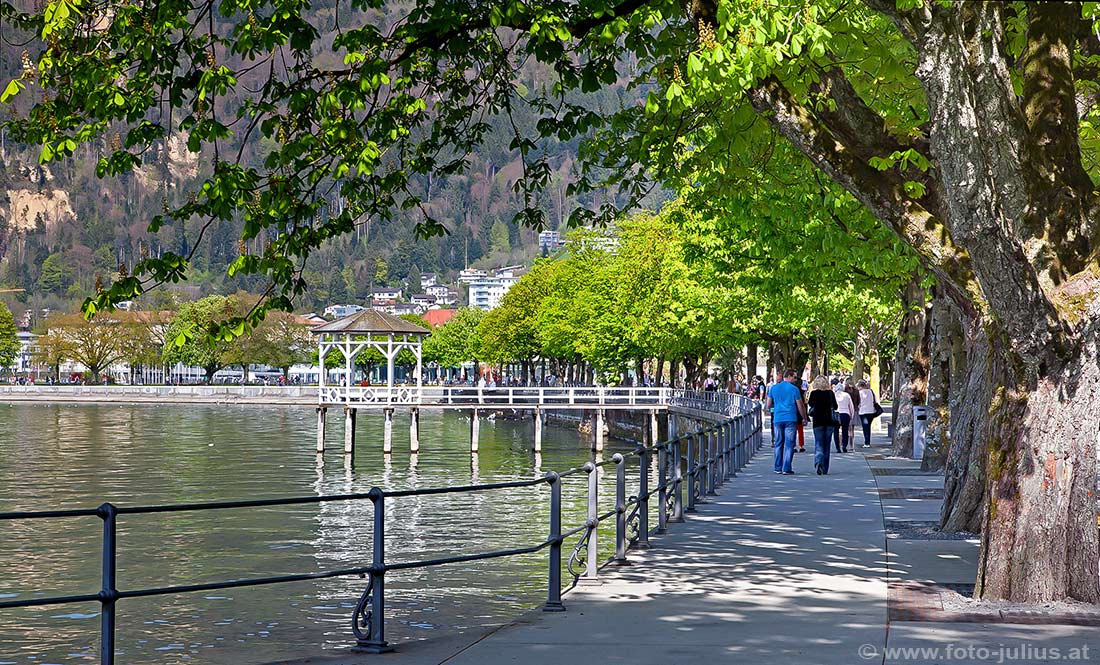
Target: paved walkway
{"type": "Point", "coordinates": [774, 569]}
{"type": "Point", "coordinates": [842, 569]}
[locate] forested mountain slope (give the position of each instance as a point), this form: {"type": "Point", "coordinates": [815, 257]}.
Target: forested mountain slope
{"type": "Point", "coordinates": [63, 230]}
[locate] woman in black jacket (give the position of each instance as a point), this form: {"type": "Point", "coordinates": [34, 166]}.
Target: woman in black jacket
{"type": "Point", "coordinates": [822, 406]}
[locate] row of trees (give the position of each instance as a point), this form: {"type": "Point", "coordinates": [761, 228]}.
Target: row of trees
{"type": "Point", "coordinates": [661, 296]}
{"type": "Point", "coordinates": [160, 338]}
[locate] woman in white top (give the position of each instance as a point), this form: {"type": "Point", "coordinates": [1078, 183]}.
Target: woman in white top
{"type": "Point", "coordinates": [867, 403]}
{"type": "Point", "coordinates": [847, 412]}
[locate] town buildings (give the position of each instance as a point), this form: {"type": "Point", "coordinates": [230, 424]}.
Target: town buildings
{"type": "Point", "coordinates": [487, 292]}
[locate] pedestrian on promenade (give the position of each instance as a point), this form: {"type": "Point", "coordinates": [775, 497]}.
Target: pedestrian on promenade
{"type": "Point", "coordinates": [805, 389]}
{"type": "Point", "coordinates": [788, 410]}
{"type": "Point", "coordinates": [853, 392]}
{"type": "Point", "coordinates": [771, 411]}
{"type": "Point", "coordinates": [846, 413]}
{"type": "Point", "coordinates": [867, 414]}
{"type": "Point", "coordinates": [822, 403]}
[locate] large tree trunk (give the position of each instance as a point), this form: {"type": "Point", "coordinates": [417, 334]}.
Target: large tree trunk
{"type": "Point", "coordinates": [965, 474]}
{"type": "Point", "coordinates": [859, 362]}
{"type": "Point", "coordinates": [815, 358]}
{"type": "Point", "coordinates": [1039, 536]}
{"type": "Point", "coordinates": [947, 361]}
{"type": "Point", "coordinates": [751, 360]}
{"type": "Point", "coordinates": [997, 161]}
{"type": "Point", "coordinates": [911, 365]}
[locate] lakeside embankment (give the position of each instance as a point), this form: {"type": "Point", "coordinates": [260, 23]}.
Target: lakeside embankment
{"type": "Point", "coordinates": [265, 395]}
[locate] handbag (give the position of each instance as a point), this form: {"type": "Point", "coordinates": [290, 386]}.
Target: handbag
{"type": "Point", "coordinates": [836, 417]}
{"type": "Point", "coordinates": [878, 409]}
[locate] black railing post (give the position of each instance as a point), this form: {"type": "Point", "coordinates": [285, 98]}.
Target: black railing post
{"type": "Point", "coordinates": [692, 473]}
{"type": "Point", "coordinates": [662, 488]}
{"type": "Point", "coordinates": [553, 591]}
{"type": "Point", "coordinates": [712, 458]}
{"type": "Point", "coordinates": [372, 607]}
{"type": "Point", "coordinates": [108, 594]}
{"type": "Point", "coordinates": [591, 567]}
{"type": "Point", "coordinates": [677, 481]}
{"type": "Point", "coordinates": [620, 508]}
{"type": "Point", "coordinates": [643, 498]}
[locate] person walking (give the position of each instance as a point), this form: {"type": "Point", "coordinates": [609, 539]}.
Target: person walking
{"type": "Point", "coordinates": [803, 388]}
{"type": "Point", "coordinates": [846, 413]}
{"type": "Point", "coordinates": [867, 413]}
{"type": "Point", "coordinates": [788, 410]}
{"type": "Point", "coordinates": [823, 405]}
{"type": "Point", "coordinates": [771, 411]}
{"type": "Point", "coordinates": [853, 392]}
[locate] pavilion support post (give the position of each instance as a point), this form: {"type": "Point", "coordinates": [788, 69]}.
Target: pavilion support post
{"type": "Point", "coordinates": [321, 412]}
{"type": "Point", "coordinates": [387, 432]}
{"type": "Point", "coordinates": [414, 430]}
{"type": "Point", "coordinates": [538, 430]}
{"type": "Point", "coordinates": [349, 430]}
{"type": "Point", "coordinates": [654, 427]}
{"type": "Point", "coordinates": [597, 430]}
{"type": "Point", "coordinates": [475, 430]}
{"type": "Point", "coordinates": [665, 426]}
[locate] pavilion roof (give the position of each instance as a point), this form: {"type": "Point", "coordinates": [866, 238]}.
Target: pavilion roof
{"type": "Point", "coordinates": [369, 322]}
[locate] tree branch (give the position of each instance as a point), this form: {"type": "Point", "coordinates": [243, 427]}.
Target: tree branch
{"type": "Point", "coordinates": [1052, 156]}
{"type": "Point", "coordinates": [580, 28]}
{"type": "Point", "coordinates": [882, 192]}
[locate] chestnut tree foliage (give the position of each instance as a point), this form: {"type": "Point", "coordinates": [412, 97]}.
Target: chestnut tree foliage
{"type": "Point", "coordinates": [966, 129]}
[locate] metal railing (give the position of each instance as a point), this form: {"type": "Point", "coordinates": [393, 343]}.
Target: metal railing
{"type": "Point", "coordinates": [713, 454]}
{"type": "Point", "coordinates": [575, 397]}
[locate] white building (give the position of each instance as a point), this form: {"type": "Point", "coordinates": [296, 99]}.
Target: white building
{"type": "Point", "coordinates": [550, 240]}
{"type": "Point", "coordinates": [486, 293]}
{"type": "Point", "coordinates": [428, 280]}
{"type": "Point", "coordinates": [24, 361]}
{"type": "Point", "coordinates": [423, 300]}
{"type": "Point", "coordinates": [340, 311]}
{"type": "Point", "coordinates": [383, 305]}
{"type": "Point", "coordinates": [386, 294]}
{"type": "Point", "coordinates": [448, 298]}
{"type": "Point", "coordinates": [470, 275]}
{"type": "Point", "coordinates": [436, 290]}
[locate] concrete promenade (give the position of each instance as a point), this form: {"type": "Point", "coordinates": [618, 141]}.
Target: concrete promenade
{"type": "Point", "coordinates": [843, 569]}
{"type": "Point", "coordinates": [775, 569]}
{"type": "Point", "coordinates": [137, 394]}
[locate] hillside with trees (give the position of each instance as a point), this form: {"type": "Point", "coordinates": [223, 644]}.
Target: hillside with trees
{"type": "Point", "coordinates": [64, 232]}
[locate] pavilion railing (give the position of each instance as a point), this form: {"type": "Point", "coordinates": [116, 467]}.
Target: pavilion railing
{"type": "Point", "coordinates": [690, 467]}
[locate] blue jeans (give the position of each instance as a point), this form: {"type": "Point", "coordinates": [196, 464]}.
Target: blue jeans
{"type": "Point", "coordinates": [840, 436]}
{"type": "Point", "coordinates": [823, 436]}
{"type": "Point", "coordinates": [785, 435]}
{"type": "Point", "coordinates": [866, 419]}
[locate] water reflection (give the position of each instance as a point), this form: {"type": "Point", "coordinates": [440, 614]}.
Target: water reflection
{"type": "Point", "coordinates": [80, 456]}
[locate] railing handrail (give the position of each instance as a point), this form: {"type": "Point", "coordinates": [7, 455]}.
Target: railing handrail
{"type": "Point", "coordinates": [713, 465]}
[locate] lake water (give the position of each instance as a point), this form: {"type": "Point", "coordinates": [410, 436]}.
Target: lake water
{"type": "Point", "coordinates": [54, 457]}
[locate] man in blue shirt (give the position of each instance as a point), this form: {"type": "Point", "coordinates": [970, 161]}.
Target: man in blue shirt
{"type": "Point", "coordinates": [788, 409]}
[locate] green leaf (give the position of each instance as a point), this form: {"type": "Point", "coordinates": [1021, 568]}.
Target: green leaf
{"type": "Point", "coordinates": [12, 89]}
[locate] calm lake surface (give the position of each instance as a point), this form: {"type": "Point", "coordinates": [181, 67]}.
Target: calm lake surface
{"type": "Point", "coordinates": [59, 456]}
